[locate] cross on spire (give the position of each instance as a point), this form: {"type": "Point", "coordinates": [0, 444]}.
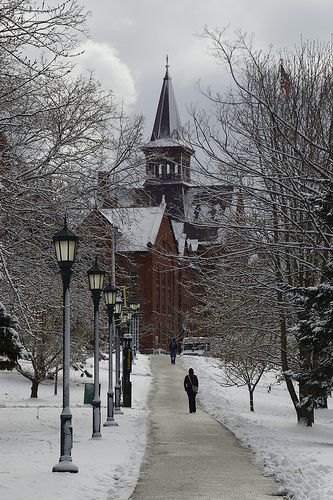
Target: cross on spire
{"type": "Point", "coordinates": [167, 63]}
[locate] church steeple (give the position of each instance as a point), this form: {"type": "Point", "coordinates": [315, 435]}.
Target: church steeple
{"type": "Point", "coordinates": [167, 122]}
{"type": "Point", "coordinates": [168, 170]}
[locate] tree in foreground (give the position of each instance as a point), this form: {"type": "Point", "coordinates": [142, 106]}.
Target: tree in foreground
{"type": "Point", "coordinates": [314, 331]}
{"type": "Point", "coordinates": [270, 135]}
{"type": "Point", "coordinates": [56, 132]}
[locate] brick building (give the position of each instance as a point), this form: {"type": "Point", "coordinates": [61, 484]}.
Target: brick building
{"type": "Point", "coordinates": [160, 223]}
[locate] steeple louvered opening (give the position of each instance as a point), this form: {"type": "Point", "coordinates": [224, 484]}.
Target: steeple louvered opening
{"type": "Point", "coordinates": [173, 166]}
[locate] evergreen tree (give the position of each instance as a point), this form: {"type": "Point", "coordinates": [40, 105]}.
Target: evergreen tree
{"type": "Point", "coordinates": [10, 346]}
{"type": "Point", "coordinates": [314, 332]}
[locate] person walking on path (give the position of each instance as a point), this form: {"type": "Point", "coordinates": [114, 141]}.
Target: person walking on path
{"type": "Point", "coordinates": [191, 385]}
{"type": "Point", "coordinates": [173, 351]}
{"type": "Point", "coordinates": [193, 458]}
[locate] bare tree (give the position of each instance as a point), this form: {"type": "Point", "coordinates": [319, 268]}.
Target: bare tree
{"type": "Point", "coordinates": [270, 136]}
{"type": "Point", "coordinates": [57, 131]}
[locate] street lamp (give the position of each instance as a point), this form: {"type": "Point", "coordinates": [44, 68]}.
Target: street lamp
{"type": "Point", "coordinates": [117, 313]}
{"type": "Point", "coordinates": [65, 244]}
{"type": "Point", "coordinates": [127, 360]}
{"type": "Point", "coordinates": [110, 296]}
{"type": "Point", "coordinates": [96, 283]}
{"type": "Point", "coordinates": [135, 306]}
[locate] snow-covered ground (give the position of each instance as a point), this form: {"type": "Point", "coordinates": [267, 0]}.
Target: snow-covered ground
{"type": "Point", "coordinates": [108, 467]}
{"type": "Point", "coordinates": [30, 440]}
{"type": "Point", "coordinates": [300, 457]}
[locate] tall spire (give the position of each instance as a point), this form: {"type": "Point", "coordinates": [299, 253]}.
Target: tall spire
{"type": "Point", "coordinates": [167, 122]}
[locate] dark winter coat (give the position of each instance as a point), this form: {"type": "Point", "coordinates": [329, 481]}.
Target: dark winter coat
{"type": "Point", "coordinates": [187, 382]}
{"type": "Point", "coordinates": [173, 347]}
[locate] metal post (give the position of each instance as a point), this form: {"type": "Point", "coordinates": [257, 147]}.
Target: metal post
{"type": "Point", "coordinates": [96, 402]}
{"type": "Point", "coordinates": [138, 333]}
{"type": "Point", "coordinates": [110, 407]}
{"type": "Point", "coordinates": [134, 335]}
{"type": "Point", "coordinates": [66, 431]}
{"type": "Point", "coordinates": [117, 389]}
{"type": "Point", "coordinates": [127, 368]}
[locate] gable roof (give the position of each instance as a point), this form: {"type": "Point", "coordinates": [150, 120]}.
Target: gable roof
{"type": "Point", "coordinates": [138, 226]}
{"type": "Point", "coordinates": [180, 236]}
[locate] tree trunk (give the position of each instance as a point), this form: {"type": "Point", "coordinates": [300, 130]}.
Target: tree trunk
{"type": "Point", "coordinates": [284, 358]}
{"type": "Point", "coordinates": [306, 397]}
{"type": "Point", "coordinates": [34, 388]}
{"type": "Point", "coordinates": [305, 415]}
{"type": "Point", "coordinates": [251, 391]}
{"type": "Point", "coordinates": [56, 381]}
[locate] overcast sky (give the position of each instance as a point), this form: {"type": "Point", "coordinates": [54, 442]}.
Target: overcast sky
{"type": "Point", "coordinates": [130, 39]}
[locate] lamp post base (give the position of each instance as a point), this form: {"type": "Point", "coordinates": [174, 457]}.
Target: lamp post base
{"type": "Point", "coordinates": [117, 392]}
{"type": "Point", "coordinates": [110, 421]}
{"type": "Point", "coordinates": [96, 404]}
{"type": "Point", "coordinates": [96, 435]}
{"type": "Point", "coordinates": [65, 466]}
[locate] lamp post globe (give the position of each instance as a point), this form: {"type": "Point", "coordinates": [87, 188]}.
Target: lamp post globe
{"type": "Point", "coordinates": [118, 306]}
{"type": "Point", "coordinates": [110, 296]}
{"type": "Point", "coordinates": [117, 315]}
{"type": "Point", "coordinates": [96, 278]}
{"type": "Point", "coordinates": [134, 304]}
{"type": "Point", "coordinates": [65, 245]}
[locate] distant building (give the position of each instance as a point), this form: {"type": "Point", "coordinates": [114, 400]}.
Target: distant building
{"type": "Point", "coordinates": [161, 222]}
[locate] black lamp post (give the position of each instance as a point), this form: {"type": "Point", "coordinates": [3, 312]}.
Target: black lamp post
{"type": "Point", "coordinates": [110, 296]}
{"type": "Point", "coordinates": [65, 244]}
{"type": "Point", "coordinates": [96, 283]}
{"type": "Point", "coordinates": [135, 306]}
{"type": "Point", "coordinates": [127, 359]}
{"type": "Point", "coordinates": [117, 314]}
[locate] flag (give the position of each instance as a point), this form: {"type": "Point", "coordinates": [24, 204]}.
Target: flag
{"type": "Point", "coordinates": [285, 81]}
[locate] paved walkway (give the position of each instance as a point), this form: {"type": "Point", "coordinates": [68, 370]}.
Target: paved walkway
{"type": "Point", "coordinates": [193, 456]}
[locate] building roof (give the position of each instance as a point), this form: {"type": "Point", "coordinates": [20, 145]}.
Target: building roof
{"type": "Point", "coordinates": [138, 226]}
{"type": "Point", "coordinates": [178, 230]}
{"type": "Point", "coordinates": [167, 122]}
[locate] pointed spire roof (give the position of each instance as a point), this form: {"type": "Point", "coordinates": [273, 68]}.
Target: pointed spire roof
{"type": "Point", "coordinates": [167, 122]}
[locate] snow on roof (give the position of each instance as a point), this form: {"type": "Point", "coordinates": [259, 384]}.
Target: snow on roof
{"type": "Point", "coordinates": [138, 226]}
{"type": "Point", "coordinates": [193, 244]}
{"type": "Point", "coordinates": [178, 230]}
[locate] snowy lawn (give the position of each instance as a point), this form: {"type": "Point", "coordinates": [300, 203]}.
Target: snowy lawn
{"type": "Point", "coordinates": [300, 457]}
{"type": "Point", "coordinates": [30, 440]}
